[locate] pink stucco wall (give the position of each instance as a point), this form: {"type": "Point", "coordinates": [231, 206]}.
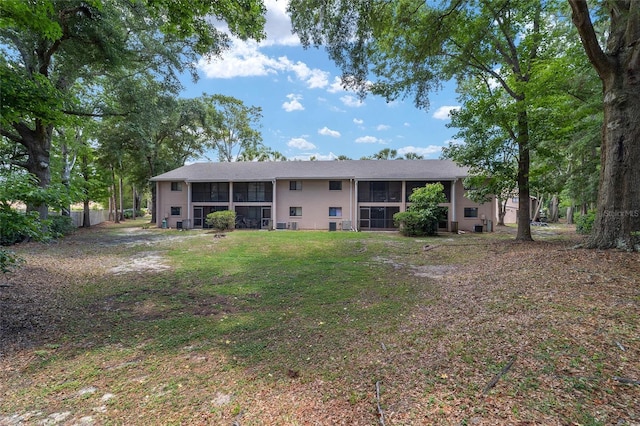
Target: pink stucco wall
{"type": "Point", "coordinates": [315, 198]}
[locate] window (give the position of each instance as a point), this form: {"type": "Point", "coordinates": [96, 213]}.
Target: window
{"type": "Point", "coordinates": [295, 211]}
{"type": "Point", "coordinates": [380, 191]}
{"type": "Point", "coordinates": [176, 211]}
{"type": "Point", "coordinates": [253, 192]}
{"type": "Point", "coordinates": [335, 185]}
{"type": "Point", "coordinates": [210, 192]}
{"type": "Point", "coordinates": [335, 211]}
{"type": "Point", "coordinates": [295, 185]}
{"type": "Point", "coordinates": [470, 212]}
{"type": "Point", "coordinates": [176, 186]}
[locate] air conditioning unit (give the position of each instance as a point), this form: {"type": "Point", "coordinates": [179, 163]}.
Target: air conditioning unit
{"type": "Point", "coordinates": [346, 225]}
{"type": "Point", "coordinates": [293, 226]}
{"type": "Point", "coordinates": [281, 225]}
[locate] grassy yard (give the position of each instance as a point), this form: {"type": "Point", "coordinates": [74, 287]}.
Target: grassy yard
{"type": "Point", "coordinates": [125, 325]}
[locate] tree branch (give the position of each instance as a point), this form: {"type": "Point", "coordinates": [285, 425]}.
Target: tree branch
{"type": "Point", "coordinates": [582, 20]}
{"type": "Point", "coordinates": [11, 136]}
{"type": "Point", "coordinates": [90, 114]}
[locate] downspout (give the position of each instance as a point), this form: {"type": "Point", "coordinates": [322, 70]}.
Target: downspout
{"type": "Point", "coordinates": [403, 205]}
{"type": "Point", "coordinates": [189, 224]}
{"type": "Point", "coordinates": [158, 204]}
{"type": "Point", "coordinates": [357, 219]}
{"type": "Point", "coordinates": [273, 204]}
{"type": "Point", "coordinates": [454, 216]}
{"type": "Point", "coordinates": [351, 202]}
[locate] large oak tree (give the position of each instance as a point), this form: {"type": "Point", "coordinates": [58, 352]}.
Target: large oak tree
{"type": "Point", "coordinates": [617, 61]}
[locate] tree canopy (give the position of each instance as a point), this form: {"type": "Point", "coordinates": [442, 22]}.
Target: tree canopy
{"type": "Point", "coordinates": [49, 47]}
{"type": "Point", "coordinates": [412, 47]}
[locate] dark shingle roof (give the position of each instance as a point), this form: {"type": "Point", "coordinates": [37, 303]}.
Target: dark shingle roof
{"type": "Point", "coordinates": [350, 169]}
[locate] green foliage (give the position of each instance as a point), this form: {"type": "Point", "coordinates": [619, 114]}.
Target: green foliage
{"type": "Point", "coordinates": [485, 123]}
{"type": "Point", "coordinates": [34, 17]}
{"type": "Point", "coordinates": [60, 225]}
{"type": "Point", "coordinates": [20, 97]}
{"type": "Point", "coordinates": [60, 60]}
{"type": "Point", "coordinates": [410, 224]}
{"type": "Point", "coordinates": [128, 213]}
{"type": "Point", "coordinates": [16, 226]}
{"type": "Point", "coordinates": [222, 221]}
{"type": "Point", "coordinates": [231, 127]}
{"type": "Point", "coordinates": [584, 222]}
{"type": "Point", "coordinates": [422, 216]}
{"type": "Point", "coordinates": [9, 261]}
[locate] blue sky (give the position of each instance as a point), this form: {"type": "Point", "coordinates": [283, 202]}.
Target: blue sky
{"type": "Point", "coordinates": [305, 110]}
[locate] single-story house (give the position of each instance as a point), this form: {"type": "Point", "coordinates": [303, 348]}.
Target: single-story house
{"type": "Point", "coordinates": [326, 195]}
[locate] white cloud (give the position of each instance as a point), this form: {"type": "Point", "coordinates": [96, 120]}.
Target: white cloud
{"type": "Point", "coordinates": [369, 139]}
{"type": "Point", "coordinates": [278, 25]}
{"type": "Point", "coordinates": [443, 113]}
{"type": "Point", "coordinates": [382, 127]}
{"type": "Point", "coordinates": [294, 103]}
{"type": "Point", "coordinates": [352, 101]}
{"type": "Point", "coordinates": [428, 151]}
{"type": "Point", "coordinates": [407, 124]}
{"type": "Point", "coordinates": [244, 59]}
{"type": "Point", "coordinates": [317, 156]}
{"type": "Point", "coordinates": [301, 144]}
{"type": "Point", "coordinates": [325, 131]}
{"type": "Point", "coordinates": [358, 121]}
{"type": "Point", "coordinates": [313, 78]}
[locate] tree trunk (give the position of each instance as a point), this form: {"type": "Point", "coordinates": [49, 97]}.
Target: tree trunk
{"type": "Point", "coordinates": [570, 211]}
{"type": "Point", "coordinates": [133, 196]}
{"type": "Point", "coordinates": [86, 214]}
{"type": "Point", "coordinates": [111, 215]}
{"type": "Point", "coordinates": [502, 210]}
{"type": "Point", "coordinates": [553, 210]}
{"type": "Point", "coordinates": [67, 167]}
{"type": "Point", "coordinates": [618, 215]}
{"type": "Point", "coordinates": [38, 145]}
{"type": "Point", "coordinates": [116, 216]}
{"type": "Point", "coordinates": [536, 212]}
{"type": "Point", "coordinates": [524, 162]}
{"type": "Point", "coordinates": [121, 199]}
{"type": "Point", "coordinates": [86, 211]}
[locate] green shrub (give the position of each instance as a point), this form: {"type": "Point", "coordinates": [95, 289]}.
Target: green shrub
{"type": "Point", "coordinates": [584, 222]}
{"type": "Point", "coordinates": [60, 225]}
{"type": "Point", "coordinates": [222, 221]}
{"type": "Point", "coordinates": [409, 223]}
{"type": "Point", "coordinates": [16, 226]}
{"type": "Point", "coordinates": [9, 260]}
{"type": "Point", "coordinates": [128, 213]}
{"type": "Point", "coordinates": [422, 216]}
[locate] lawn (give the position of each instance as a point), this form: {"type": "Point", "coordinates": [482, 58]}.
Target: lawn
{"type": "Point", "coordinates": [125, 325]}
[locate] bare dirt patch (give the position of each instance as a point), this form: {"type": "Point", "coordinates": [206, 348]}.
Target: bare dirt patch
{"type": "Point", "coordinates": [148, 261]}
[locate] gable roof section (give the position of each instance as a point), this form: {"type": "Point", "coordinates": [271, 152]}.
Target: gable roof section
{"type": "Point", "coordinates": [294, 170]}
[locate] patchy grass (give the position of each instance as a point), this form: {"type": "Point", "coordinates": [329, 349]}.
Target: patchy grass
{"type": "Point", "coordinates": [125, 325]}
